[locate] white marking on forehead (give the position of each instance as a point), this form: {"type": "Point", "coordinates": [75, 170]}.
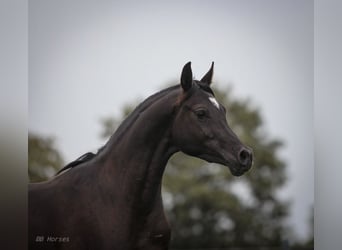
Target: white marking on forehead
{"type": "Point", "coordinates": [213, 101]}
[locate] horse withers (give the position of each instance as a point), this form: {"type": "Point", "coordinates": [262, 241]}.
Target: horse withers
{"type": "Point", "coordinates": [112, 199]}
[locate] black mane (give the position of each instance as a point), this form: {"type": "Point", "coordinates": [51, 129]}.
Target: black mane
{"type": "Point", "coordinates": [123, 127]}
{"type": "Point", "coordinates": [130, 120]}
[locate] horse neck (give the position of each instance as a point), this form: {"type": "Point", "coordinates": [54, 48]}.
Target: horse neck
{"type": "Point", "coordinates": [136, 159]}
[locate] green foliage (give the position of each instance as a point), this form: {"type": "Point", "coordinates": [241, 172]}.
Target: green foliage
{"type": "Point", "coordinates": [43, 158]}
{"type": "Point", "coordinates": [207, 207]}
{"type": "Point", "coordinates": [223, 218]}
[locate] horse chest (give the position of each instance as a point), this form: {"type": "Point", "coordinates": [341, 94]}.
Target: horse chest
{"type": "Point", "coordinates": [154, 232]}
{"type": "Point", "coordinates": [155, 235]}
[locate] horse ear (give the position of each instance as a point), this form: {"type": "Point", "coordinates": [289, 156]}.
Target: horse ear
{"type": "Point", "coordinates": [209, 76]}
{"type": "Point", "coordinates": [186, 77]}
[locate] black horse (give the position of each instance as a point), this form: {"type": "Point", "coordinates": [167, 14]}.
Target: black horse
{"type": "Point", "coordinates": [112, 200]}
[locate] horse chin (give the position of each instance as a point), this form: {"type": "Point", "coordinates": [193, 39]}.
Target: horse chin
{"type": "Point", "coordinates": [236, 172]}
{"type": "Point", "coordinates": [235, 169]}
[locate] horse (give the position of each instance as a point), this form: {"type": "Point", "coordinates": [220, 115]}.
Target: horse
{"type": "Point", "coordinates": [112, 199]}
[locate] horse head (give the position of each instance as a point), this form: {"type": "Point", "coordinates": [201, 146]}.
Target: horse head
{"type": "Point", "coordinates": [200, 127]}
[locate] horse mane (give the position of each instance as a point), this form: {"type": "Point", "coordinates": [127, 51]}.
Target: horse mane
{"type": "Point", "coordinates": [121, 129]}
{"type": "Point", "coordinates": [129, 121]}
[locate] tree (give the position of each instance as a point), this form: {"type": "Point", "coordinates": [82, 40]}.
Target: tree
{"type": "Point", "coordinates": [43, 158]}
{"type": "Point", "coordinates": [208, 207]}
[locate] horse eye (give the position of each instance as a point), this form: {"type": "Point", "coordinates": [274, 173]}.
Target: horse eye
{"type": "Point", "coordinates": [201, 113]}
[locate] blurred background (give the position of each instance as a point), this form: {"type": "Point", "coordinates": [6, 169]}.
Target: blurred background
{"type": "Point", "coordinates": [92, 62]}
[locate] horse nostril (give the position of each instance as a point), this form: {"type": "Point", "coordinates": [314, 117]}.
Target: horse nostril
{"type": "Point", "coordinates": [245, 157]}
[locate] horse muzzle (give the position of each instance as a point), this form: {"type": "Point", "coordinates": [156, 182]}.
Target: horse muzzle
{"type": "Point", "coordinates": [244, 162]}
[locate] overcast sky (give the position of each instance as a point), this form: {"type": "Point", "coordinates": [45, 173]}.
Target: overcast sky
{"type": "Point", "coordinates": [87, 59]}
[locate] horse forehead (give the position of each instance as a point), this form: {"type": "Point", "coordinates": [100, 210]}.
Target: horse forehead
{"type": "Point", "coordinates": [214, 101]}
